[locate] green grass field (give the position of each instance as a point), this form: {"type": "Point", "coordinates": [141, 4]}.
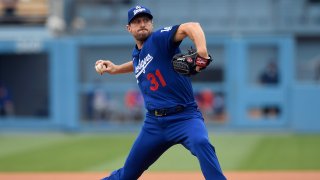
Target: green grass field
{"type": "Point", "coordinates": [105, 152]}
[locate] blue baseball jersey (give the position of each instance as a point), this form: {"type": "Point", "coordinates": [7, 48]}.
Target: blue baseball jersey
{"type": "Point", "coordinates": [160, 85]}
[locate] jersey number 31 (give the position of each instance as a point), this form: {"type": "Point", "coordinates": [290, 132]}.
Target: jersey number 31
{"type": "Point", "coordinates": [154, 79]}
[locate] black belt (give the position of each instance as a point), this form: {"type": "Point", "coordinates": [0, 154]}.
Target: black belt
{"type": "Point", "coordinates": [166, 111]}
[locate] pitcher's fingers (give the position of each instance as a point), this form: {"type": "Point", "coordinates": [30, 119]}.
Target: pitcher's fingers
{"type": "Point", "coordinates": [99, 61]}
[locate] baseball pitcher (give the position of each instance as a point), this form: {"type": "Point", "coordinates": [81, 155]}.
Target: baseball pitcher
{"type": "Point", "coordinates": [163, 76]}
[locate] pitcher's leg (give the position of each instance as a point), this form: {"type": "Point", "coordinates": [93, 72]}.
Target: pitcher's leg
{"type": "Point", "coordinates": [198, 143]}
{"type": "Point", "coordinates": [147, 148]}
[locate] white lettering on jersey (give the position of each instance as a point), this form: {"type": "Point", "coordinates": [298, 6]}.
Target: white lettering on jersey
{"type": "Point", "coordinates": [166, 29]}
{"type": "Point", "coordinates": [142, 65]}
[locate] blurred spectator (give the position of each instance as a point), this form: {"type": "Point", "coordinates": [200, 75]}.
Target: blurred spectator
{"type": "Point", "coordinates": [211, 104]}
{"type": "Point", "coordinates": [9, 7]}
{"type": "Point", "coordinates": [6, 103]}
{"type": "Point", "coordinates": [205, 102]}
{"type": "Point", "coordinates": [270, 76]}
{"type": "Point", "coordinates": [100, 105]}
{"type": "Point", "coordinates": [134, 104]}
{"type": "Point", "coordinates": [219, 107]}
{"type": "Point", "coordinates": [9, 12]}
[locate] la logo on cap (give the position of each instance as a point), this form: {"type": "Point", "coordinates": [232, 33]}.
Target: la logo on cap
{"type": "Point", "coordinates": [138, 9]}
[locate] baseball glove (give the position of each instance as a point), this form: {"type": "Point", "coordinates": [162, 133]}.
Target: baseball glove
{"type": "Point", "coordinates": [186, 63]}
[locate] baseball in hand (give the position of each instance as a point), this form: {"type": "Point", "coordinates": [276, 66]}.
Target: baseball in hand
{"type": "Point", "coordinates": [99, 68]}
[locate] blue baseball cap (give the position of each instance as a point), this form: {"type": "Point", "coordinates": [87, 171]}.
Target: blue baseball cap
{"type": "Point", "coordinates": [138, 10]}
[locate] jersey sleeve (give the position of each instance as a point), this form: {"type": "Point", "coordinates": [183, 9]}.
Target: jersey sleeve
{"type": "Point", "coordinates": [165, 38]}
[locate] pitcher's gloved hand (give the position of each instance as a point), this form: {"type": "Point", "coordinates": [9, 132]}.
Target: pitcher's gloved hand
{"type": "Point", "coordinates": [187, 63]}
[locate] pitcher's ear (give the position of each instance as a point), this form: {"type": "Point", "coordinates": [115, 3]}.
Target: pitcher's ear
{"type": "Point", "coordinates": [128, 28]}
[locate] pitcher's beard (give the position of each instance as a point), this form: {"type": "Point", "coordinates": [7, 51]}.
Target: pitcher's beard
{"type": "Point", "coordinates": [142, 37]}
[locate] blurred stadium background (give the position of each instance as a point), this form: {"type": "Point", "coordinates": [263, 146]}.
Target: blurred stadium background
{"type": "Point", "coordinates": [265, 80]}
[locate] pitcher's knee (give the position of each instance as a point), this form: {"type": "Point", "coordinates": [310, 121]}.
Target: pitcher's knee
{"type": "Point", "coordinates": [201, 142]}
